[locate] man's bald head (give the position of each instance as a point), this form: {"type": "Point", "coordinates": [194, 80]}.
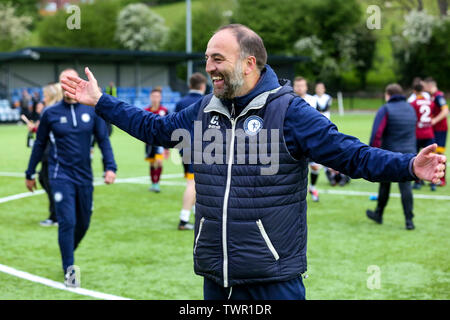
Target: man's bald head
{"type": "Point", "coordinates": [68, 72]}
{"type": "Point", "coordinates": [250, 43]}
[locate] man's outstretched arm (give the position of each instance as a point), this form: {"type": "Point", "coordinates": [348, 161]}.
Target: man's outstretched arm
{"type": "Point", "coordinates": [143, 125]}
{"type": "Point", "coordinates": [318, 138]}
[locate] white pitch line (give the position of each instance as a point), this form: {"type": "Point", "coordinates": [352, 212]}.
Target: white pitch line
{"type": "Point", "coordinates": [395, 195]}
{"type": "Point", "coordinates": [144, 180]}
{"type": "Point", "coordinates": [58, 285]}
{"type": "Point", "coordinates": [12, 174]}
{"type": "Point", "coordinates": [163, 176]}
{"type": "Point", "coordinates": [21, 195]}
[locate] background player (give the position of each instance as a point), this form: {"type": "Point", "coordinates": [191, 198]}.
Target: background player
{"type": "Point", "coordinates": [424, 94]}
{"type": "Point", "coordinates": [154, 153]}
{"type": "Point", "coordinates": [197, 86]}
{"type": "Point", "coordinates": [424, 129]}
{"type": "Point", "coordinates": [439, 118]}
{"type": "Point", "coordinates": [323, 100]}
{"type": "Point", "coordinates": [301, 88]}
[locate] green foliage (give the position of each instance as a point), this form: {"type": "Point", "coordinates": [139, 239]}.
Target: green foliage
{"type": "Point", "coordinates": [279, 25]}
{"type": "Point", "coordinates": [323, 30]}
{"type": "Point", "coordinates": [365, 47]}
{"type": "Point", "coordinates": [423, 51]}
{"type": "Point", "coordinates": [139, 28]}
{"type": "Point", "coordinates": [205, 21]}
{"type": "Point", "coordinates": [151, 2]}
{"type": "Point", "coordinates": [13, 28]}
{"type": "Point", "coordinates": [98, 26]}
{"type": "Point", "coordinates": [28, 8]}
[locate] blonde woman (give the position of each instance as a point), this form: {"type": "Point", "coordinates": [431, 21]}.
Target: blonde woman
{"type": "Point", "coordinates": [52, 94]}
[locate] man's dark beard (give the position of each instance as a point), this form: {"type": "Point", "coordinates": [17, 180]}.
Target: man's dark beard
{"type": "Point", "coordinates": [232, 82]}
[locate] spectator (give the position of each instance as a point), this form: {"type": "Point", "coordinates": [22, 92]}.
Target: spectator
{"type": "Point", "coordinates": [111, 89]}
{"type": "Point", "coordinates": [36, 105]}
{"type": "Point", "coordinates": [25, 101]}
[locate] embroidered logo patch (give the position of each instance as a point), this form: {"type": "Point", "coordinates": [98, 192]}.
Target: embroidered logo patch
{"type": "Point", "coordinates": [85, 117]}
{"type": "Point", "coordinates": [58, 196]}
{"type": "Point", "coordinates": [63, 120]}
{"type": "Point", "coordinates": [253, 125]}
{"type": "Point", "coordinates": [214, 123]}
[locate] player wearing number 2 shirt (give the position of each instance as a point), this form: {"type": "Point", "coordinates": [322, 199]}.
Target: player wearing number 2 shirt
{"type": "Point", "coordinates": [424, 109]}
{"type": "Point", "coordinates": [439, 117]}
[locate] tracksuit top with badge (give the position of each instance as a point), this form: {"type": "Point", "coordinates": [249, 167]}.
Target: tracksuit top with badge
{"type": "Point", "coordinates": [251, 227]}
{"type": "Point", "coordinates": [69, 128]}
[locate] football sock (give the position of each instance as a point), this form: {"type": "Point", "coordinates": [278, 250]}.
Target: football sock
{"type": "Point", "coordinates": [184, 215]}
{"type": "Point", "coordinates": [155, 174]}
{"type": "Point", "coordinates": [314, 177]}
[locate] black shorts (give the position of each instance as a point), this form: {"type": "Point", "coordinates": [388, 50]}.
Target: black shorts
{"type": "Point", "coordinates": [440, 137]}
{"type": "Point", "coordinates": [423, 143]}
{"type": "Point", "coordinates": [153, 152]}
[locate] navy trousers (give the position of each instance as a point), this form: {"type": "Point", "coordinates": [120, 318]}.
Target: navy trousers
{"type": "Point", "coordinates": [73, 207]}
{"type": "Point", "coordinates": [283, 290]}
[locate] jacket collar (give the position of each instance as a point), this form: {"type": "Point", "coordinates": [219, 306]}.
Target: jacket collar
{"type": "Point", "coordinates": [257, 103]}
{"type": "Point", "coordinates": [396, 97]}
{"type": "Point", "coordinates": [65, 104]}
{"type": "Point", "coordinates": [255, 99]}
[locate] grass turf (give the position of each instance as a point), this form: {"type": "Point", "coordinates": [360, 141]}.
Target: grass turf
{"type": "Point", "coordinates": [133, 248]}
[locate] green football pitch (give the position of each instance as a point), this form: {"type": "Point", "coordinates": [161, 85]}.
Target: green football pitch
{"type": "Point", "coordinates": [134, 250]}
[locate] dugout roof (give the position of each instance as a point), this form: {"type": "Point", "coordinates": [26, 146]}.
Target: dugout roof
{"type": "Point", "coordinates": [108, 55]}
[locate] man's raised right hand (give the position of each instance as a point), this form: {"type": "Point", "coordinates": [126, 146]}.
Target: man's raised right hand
{"type": "Point", "coordinates": [85, 92]}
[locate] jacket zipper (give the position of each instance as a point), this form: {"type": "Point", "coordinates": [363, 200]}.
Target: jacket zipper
{"type": "Point", "coordinates": [267, 239]}
{"type": "Point", "coordinates": [227, 194]}
{"type": "Point", "coordinates": [74, 119]}
{"type": "Point", "coordinates": [225, 200]}
{"type": "Point", "coordinates": [53, 141]}
{"type": "Point", "coordinates": [199, 231]}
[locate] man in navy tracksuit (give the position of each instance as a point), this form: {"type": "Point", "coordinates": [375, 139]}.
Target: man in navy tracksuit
{"type": "Point", "coordinates": [250, 216]}
{"type": "Point", "coordinates": [70, 128]}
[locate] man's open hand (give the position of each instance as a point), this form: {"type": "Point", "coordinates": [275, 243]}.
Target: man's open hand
{"type": "Point", "coordinates": [30, 184]}
{"type": "Point", "coordinates": [428, 165]}
{"type": "Point", "coordinates": [85, 92]}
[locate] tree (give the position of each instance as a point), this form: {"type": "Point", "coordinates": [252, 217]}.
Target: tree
{"type": "Point", "coordinates": [443, 7]}
{"type": "Point", "coordinates": [28, 8]}
{"type": "Point", "coordinates": [422, 49]}
{"type": "Point", "coordinates": [331, 40]}
{"type": "Point", "coordinates": [205, 21]}
{"type": "Point", "coordinates": [364, 54]}
{"type": "Point", "coordinates": [139, 28]}
{"type": "Point", "coordinates": [97, 28]}
{"type": "Point", "coordinates": [13, 28]}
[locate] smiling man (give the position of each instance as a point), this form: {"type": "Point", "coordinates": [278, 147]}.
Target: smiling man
{"type": "Point", "coordinates": [250, 227]}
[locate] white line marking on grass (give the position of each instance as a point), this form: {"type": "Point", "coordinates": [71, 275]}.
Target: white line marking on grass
{"type": "Point", "coordinates": [145, 180]}
{"type": "Point", "coordinates": [21, 195]}
{"type": "Point", "coordinates": [99, 182]}
{"type": "Point", "coordinates": [58, 285]}
{"type": "Point", "coordinates": [12, 174]}
{"type": "Point", "coordinates": [164, 176]}
{"type": "Point", "coordinates": [395, 195]}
